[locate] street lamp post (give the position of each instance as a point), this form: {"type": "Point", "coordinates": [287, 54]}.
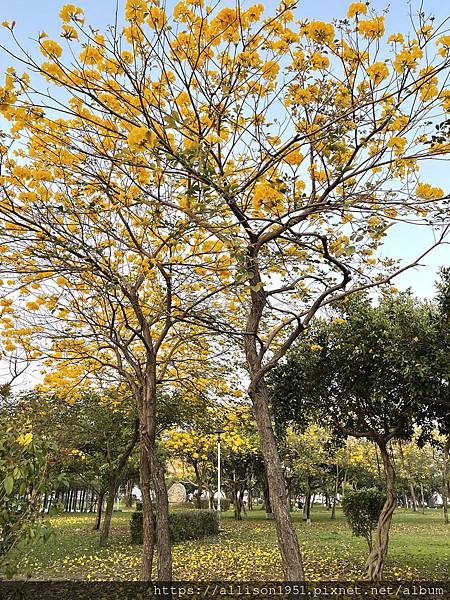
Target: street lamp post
{"type": "Point", "coordinates": [219, 491]}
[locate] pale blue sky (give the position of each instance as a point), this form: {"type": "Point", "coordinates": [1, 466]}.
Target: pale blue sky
{"type": "Point", "coordinates": [33, 16]}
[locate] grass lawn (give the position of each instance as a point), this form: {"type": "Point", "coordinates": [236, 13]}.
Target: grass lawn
{"type": "Point", "coordinates": [246, 550]}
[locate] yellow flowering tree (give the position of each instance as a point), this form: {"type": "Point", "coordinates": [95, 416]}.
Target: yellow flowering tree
{"type": "Point", "coordinates": [215, 151]}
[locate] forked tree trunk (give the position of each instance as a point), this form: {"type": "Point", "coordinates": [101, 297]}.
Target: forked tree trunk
{"type": "Point", "coordinates": [287, 537]}
{"type": "Point", "coordinates": [148, 518]}
{"type": "Point", "coordinates": [286, 534]}
{"type": "Point", "coordinates": [377, 556]}
{"type": "Point", "coordinates": [445, 481]}
{"type": "Point", "coordinates": [114, 486]}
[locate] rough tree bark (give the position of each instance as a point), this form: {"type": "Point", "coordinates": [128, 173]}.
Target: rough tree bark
{"type": "Point", "coordinates": [148, 518]}
{"type": "Point", "coordinates": [147, 424]}
{"type": "Point", "coordinates": [377, 556]}
{"type": "Point", "coordinates": [128, 496]}
{"type": "Point", "coordinates": [286, 534]}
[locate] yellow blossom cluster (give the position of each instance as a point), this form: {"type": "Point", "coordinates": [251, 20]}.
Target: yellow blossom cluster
{"type": "Point", "coordinates": [377, 72]}
{"type": "Point", "coordinates": [371, 28]}
{"type": "Point", "coordinates": [428, 192]}
{"type": "Point", "coordinates": [70, 12]}
{"type": "Point", "coordinates": [408, 57]}
{"type": "Point", "coordinates": [265, 195]}
{"type": "Point", "coordinates": [140, 138]}
{"type": "Point", "coordinates": [319, 32]}
{"type": "Point", "coordinates": [356, 8]}
{"type": "Point", "coordinates": [319, 60]}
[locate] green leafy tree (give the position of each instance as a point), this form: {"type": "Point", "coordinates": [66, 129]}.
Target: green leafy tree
{"type": "Point", "coordinates": [27, 460]}
{"type": "Point", "coordinates": [368, 374]}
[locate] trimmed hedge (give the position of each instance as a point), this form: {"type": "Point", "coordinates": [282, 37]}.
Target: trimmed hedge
{"type": "Point", "coordinates": [184, 525]}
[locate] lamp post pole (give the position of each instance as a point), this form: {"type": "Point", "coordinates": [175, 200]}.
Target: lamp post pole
{"type": "Point", "coordinates": [219, 491]}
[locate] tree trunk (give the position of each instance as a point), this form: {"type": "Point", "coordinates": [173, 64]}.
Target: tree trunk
{"type": "Point", "coordinates": [128, 497]}
{"type": "Point", "coordinates": [92, 501]}
{"type": "Point", "coordinates": [148, 518]}
{"type": "Point", "coordinates": [307, 507]}
{"type": "Point", "coordinates": [413, 496]}
{"type": "Point", "coordinates": [163, 543]}
{"type": "Point", "coordinates": [344, 482]}
{"type": "Point", "coordinates": [422, 499]}
{"type": "Point", "coordinates": [147, 425]}
{"type": "Point", "coordinates": [267, 506]}
{"type": "Point", "coordinates": [114, 485]}
{"type": "Point", "coordinates": [377, 556]}
{"type": "Point", "coordinates": [286, 534]}
{"type": "Point", "coordinates": [98, 519]}
{"type": "Point", "coordinates": [291, 558]}
{"type": "Point", "coordinates": [198, 499]}
{"type": "Point", "coordinates": [445, 480]}
{"type": "Point", "coordinates": [336, 488]}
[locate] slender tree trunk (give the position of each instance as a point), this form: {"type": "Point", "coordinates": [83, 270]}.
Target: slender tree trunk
{"type": "Point", "coordinates": [336, 488]}
{"type": "Point", "coordinates": [307, 507]}
{"type": "Point", "coordinates": [92, 501]}
{"type": "Point", "coordinates": [413, 496]}
{"type": "Point", "coordinates": [128, 497]}
{"type": "Point", "coordinates": [445, 480]}
{"type": "Point", "coordinates": [211, 505]}
{"type": "Point", "coordinates": [114, 485]}
{"type": "Point", "coordinates": [286, 534]}
{"type": "Point", "coordinates": [377, 556]}
{"type": "Point", "coordinates": [66, 498]}
{"type": "Point", "coordinates": [98, 518]}
{"type": "Point", "coordinates": [109, 509]}
{"type": "Point", "coordinates": [148, 518]}
{"type": "Point", "coordinates": [344, 482]}
{"type": "Point", "coordinates": [198, 499]}
{"type": "Point", "coordinates": [249, 498]}
{"type": "Point", "coordinates": [422, 499]}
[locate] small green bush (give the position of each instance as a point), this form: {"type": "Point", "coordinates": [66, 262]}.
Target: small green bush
{"type": "Point", "coordinates": [184, 525]}
{"type": "Point", "coordinates": [136, 527]}
{"type": "Point", "coordinates": [362, 509]}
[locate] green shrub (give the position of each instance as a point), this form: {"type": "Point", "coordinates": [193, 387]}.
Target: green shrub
{"type": "Point", "coordinates": [136, 527]}
{"type": "Point", "coordinates": [184, 525]}
{"type": "Point", "coordinates": [192, 524]}
{"type": "Point", "coordinates": [362, 509]}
